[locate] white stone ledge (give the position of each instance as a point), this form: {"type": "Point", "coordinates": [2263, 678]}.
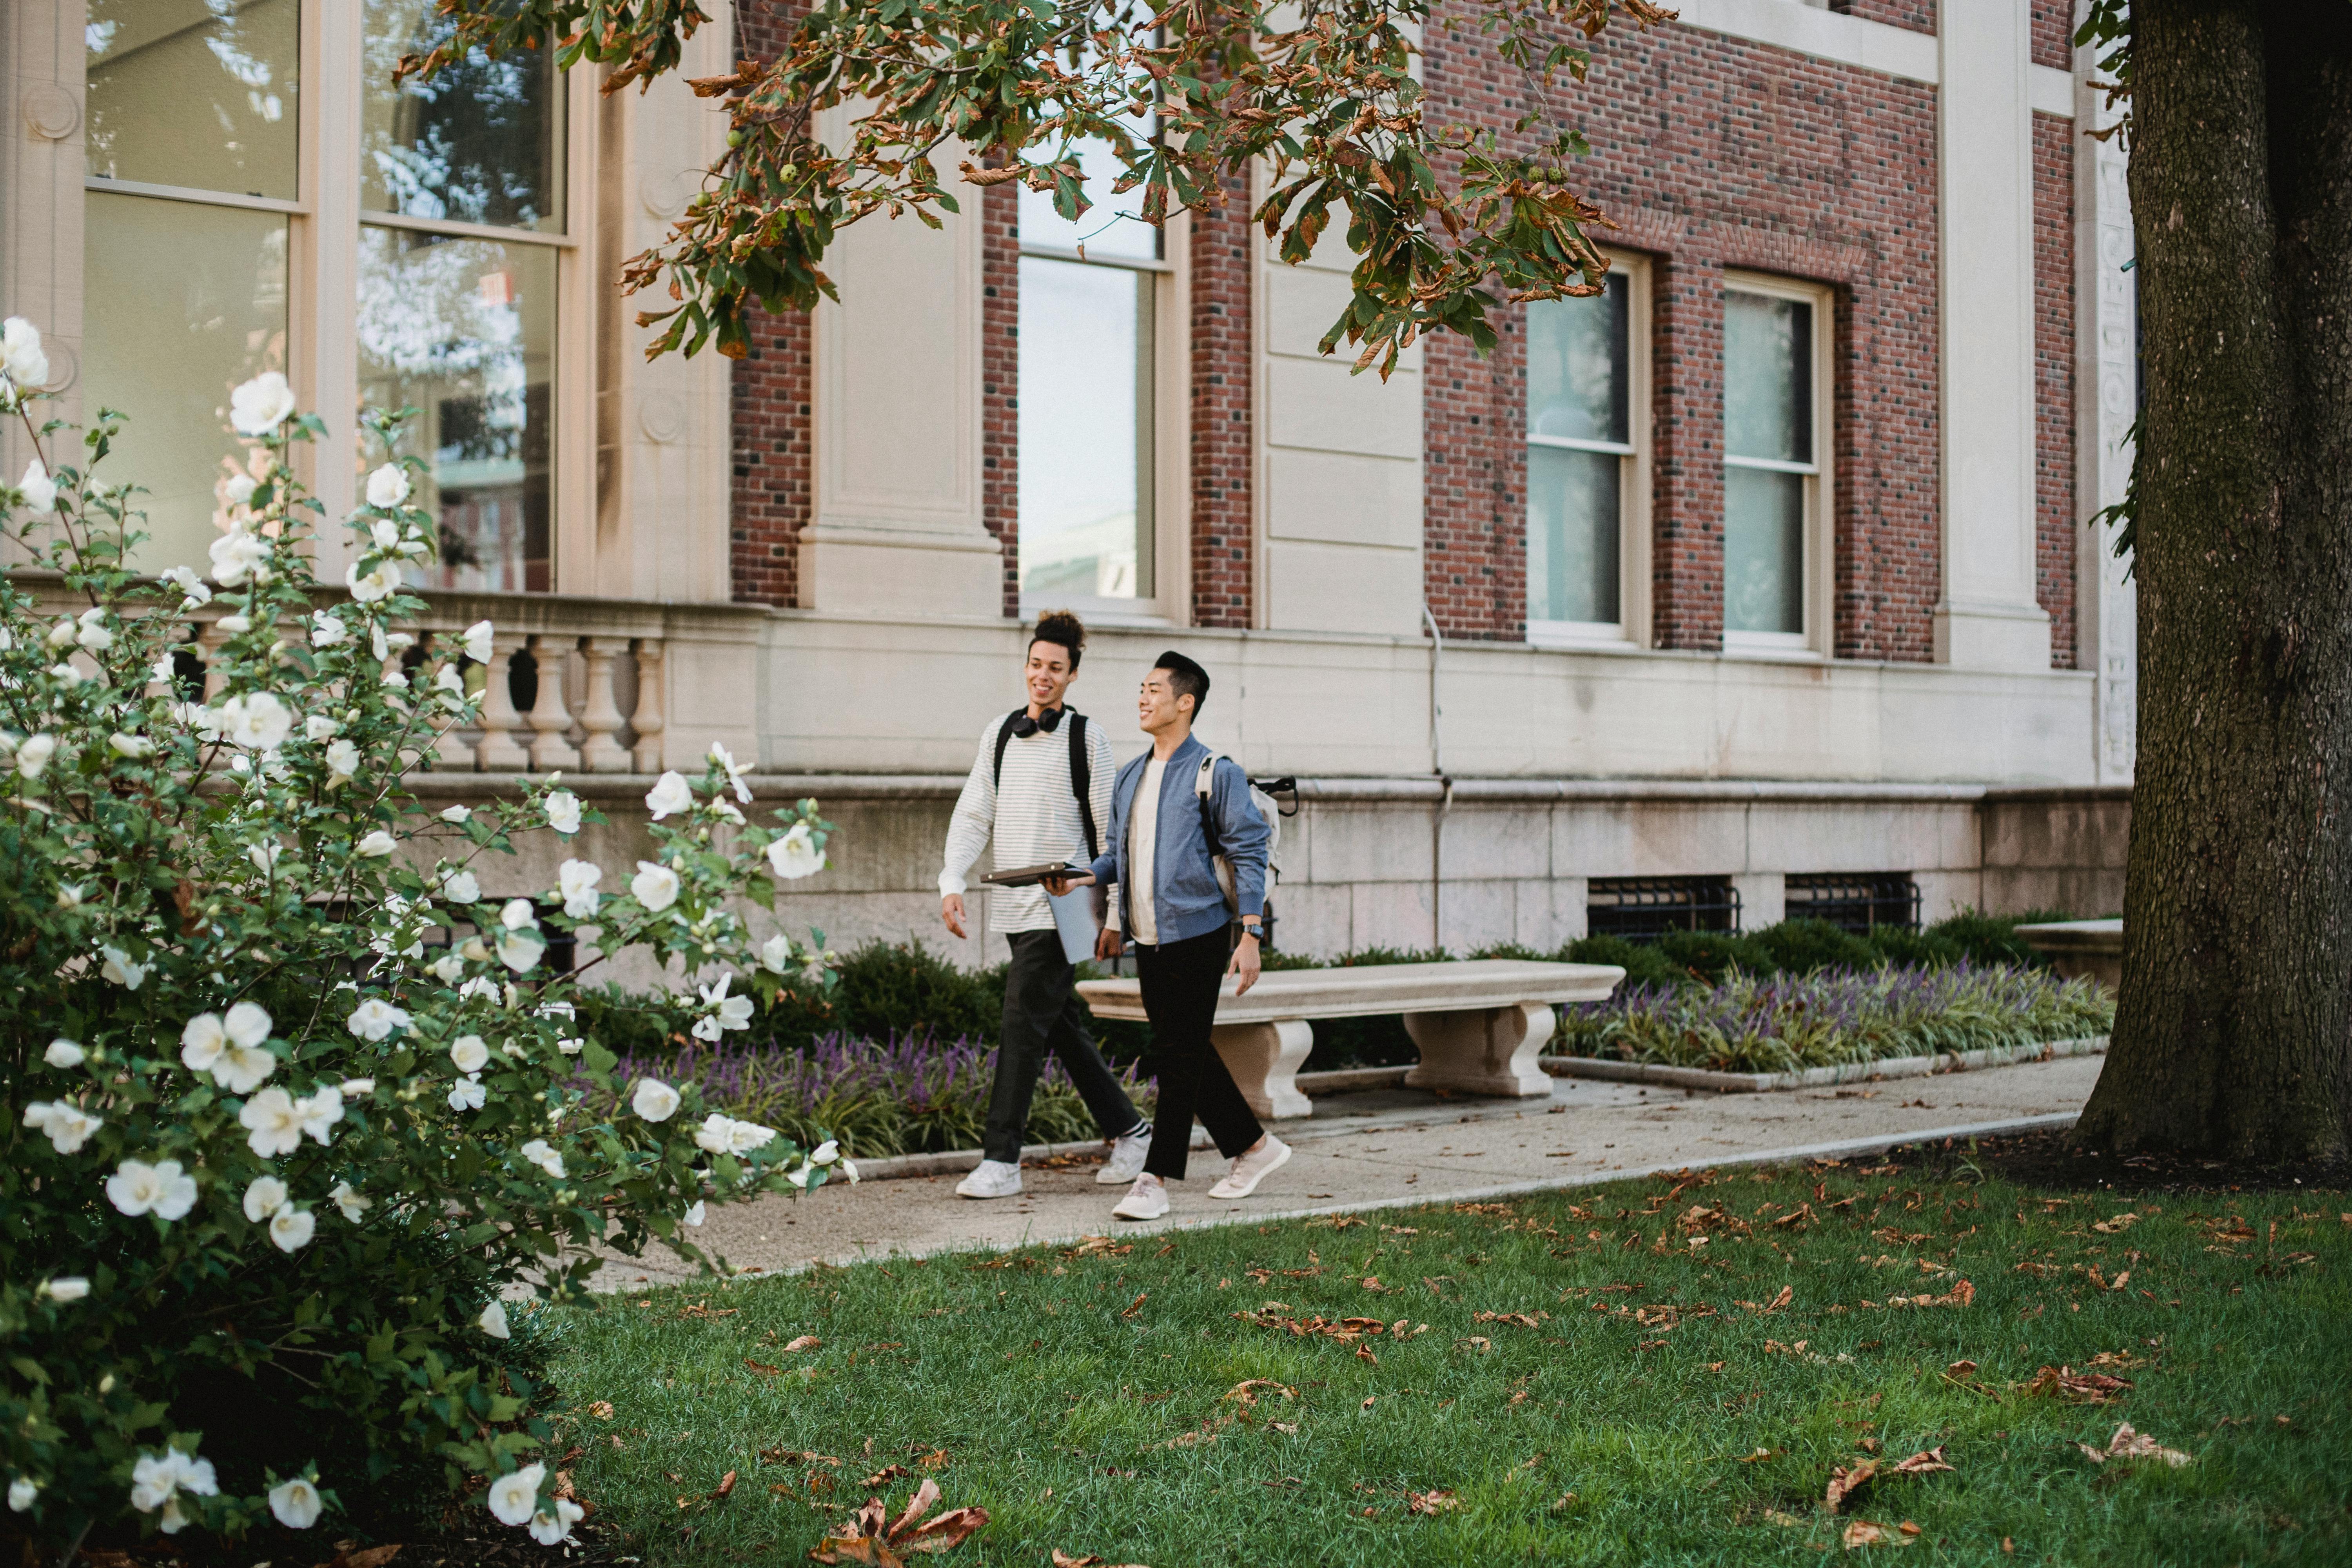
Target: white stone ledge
{"type": "Point", "coordinates": [1880, 47]}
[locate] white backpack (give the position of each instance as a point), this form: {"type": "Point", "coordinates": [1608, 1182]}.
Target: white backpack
{"type": "Point", "coordinates": [1266, 808]}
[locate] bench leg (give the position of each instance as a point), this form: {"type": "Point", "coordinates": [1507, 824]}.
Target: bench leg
{"type": "Point", "coordinates": [1492, 1051]}
{"type": "Point", "coordinates": [1264, 1060]}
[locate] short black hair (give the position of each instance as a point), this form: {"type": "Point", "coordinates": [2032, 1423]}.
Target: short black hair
{"type": "Point", "coordinates": [1185, 679]}
{"type": "Point", "coordinates": [1064, 630]}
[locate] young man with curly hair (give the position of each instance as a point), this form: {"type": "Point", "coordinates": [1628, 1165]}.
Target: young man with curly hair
{"type": "Point", "coordinates": [1041, 787]}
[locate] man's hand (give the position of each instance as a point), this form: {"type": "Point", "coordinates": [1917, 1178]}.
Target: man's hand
{"type": "Point", "coordinates": [1058, 885]}
{"type": "Point", "coordinates": [1245, 961]}
{"type": "Point", "coordinates": [952, 912]}
{"type": "Point", "coordinates": [1110, 943]}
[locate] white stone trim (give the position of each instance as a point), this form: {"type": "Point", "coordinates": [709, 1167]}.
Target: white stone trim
{"type": "Point", "coordinates": [1845, 40]}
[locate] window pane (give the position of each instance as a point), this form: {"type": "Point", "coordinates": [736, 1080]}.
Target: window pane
{"type": "Point", "coordinates": [1763, 551]}
{"type": "Point", "coordinates": [1577, 374]}
{"type": "Point", "coordinates": [1572, 534]}
{"type": "Point", "coordinates": [482, 143]}
{"type": "Point", "coordinates": [1100, 228]}
{"type": "Point", "coordinates": [1768, 394]}
{"type": "Point", "coordinates": [195, 92]}
{"type": "Point", "coordinates": [463, 329]}
{"type": "Point", "coordinates": [1086, 429]}
{"type": "Point", "coordinates": [166, 344]}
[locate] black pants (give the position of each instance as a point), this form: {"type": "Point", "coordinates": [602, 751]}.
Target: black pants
{"type": "Point", "coordinates": [1042, 1014]}
{"type": "Point", "coordinates": [1180, 996]}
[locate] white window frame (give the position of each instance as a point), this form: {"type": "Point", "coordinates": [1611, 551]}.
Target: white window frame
{"type": "Point", "coordinates": [1170, 602]}
{"type": "Point", "coordinates": [1631, 628]}
{"type": "Point", "coordinates": [322, 287]}
{"type": "Point", "coordinates": [1816, 570]}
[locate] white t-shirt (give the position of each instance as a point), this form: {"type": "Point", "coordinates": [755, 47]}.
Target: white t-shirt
{"type": "Point", "coordinates": [1143, 843]}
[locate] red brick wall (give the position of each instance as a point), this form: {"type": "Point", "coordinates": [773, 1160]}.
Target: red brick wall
{"type": "Point", "coordinates": [1710, 153]}
{"type": "Point", "coordinates": [1221, 461]}
{"type": "Point", "coordinates": [2056, 525]}
{"type": "Point", "coordinates": [769, 393]}
{"type": "Point", "coordinates": [2052, 33]}
{"type": "Point", "coordinates": [1474, 481]}
{"type": "Point", "coordinates": [998, 210]}
{"type": "Point", "coordinates": [1918, 15]}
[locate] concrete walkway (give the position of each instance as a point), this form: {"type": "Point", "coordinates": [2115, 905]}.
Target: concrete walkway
{"type": "Point", "coordinates": [1390, 1148]}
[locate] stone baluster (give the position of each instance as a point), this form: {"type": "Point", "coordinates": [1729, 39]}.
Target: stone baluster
{"type": "Point", "coordinates": [452, 753]}
{"type": "Point", "coordinates": [210, 641]}
{"type": "Point", "coordinates": [550, 719]}
{"type": "Point", "coordinates": [647, 719]}
{"type": "Point", "coordinates": [603, 752]}
{"type": "Point", "coordinates": [499, 751]}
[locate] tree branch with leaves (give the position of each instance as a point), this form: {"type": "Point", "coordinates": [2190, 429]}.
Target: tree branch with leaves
{"type": "Point", "coordinates": [871, 98]}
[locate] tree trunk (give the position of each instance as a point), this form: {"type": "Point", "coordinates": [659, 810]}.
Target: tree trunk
{"type": "Point", "coordinates": [2233, 1033]}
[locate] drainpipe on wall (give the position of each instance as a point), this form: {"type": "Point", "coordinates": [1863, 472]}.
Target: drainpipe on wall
{"type": "Point", "coordinates": [1445, 783]}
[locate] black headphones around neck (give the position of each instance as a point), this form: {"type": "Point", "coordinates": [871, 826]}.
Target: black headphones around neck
{"type": "Point", "coordinates": [1024, 726]}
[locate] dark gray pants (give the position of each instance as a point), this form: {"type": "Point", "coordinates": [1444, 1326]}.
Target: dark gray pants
{"type": "Point", "coordinates": [1043, 1014]}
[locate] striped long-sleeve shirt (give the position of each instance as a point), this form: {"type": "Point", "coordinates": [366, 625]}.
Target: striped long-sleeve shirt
{"type": "Point", "coordinates": [1033, 816]}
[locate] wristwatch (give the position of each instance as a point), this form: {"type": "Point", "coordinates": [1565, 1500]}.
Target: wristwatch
{"type": "Point", "coordinates": [1250, 927]}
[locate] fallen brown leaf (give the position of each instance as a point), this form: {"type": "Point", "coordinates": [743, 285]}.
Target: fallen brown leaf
{"type": "Point", "coordinates": [726, 1485]}
{"type": "Point", "coordinates": [602, 1410]}
{"type": "Point", "coordinates": [1921, 1463]}
{"type": "Point", "coordinates": [1434, 1501]}
{"type": "Point", "coordinates": [2126, 1444]}
{"type": "Point", "coordinates": [1844, 1482]}
{"type": "Point", "coordinates": [872, 1541]}
{"type": "Point", "coordinates": [1064, 1559]}
{"type": "Point", "coordinates": [1862, 1532]}
{"type": "Point", "coordinates": [1137, 1305]}
{"type": "Point", "coordinates": [2082, 1388]}
{"type": "Point", "coordinates": [885, 1476]}
{"type": "Point", "coordinates": [1962, 1369]}
{"type": "Point", "coordinates": [761, 1367]}
{"type": "Point", "coordinates": [1245, 1392]}
{"type": "Point", "coordinates": [804, 1342]}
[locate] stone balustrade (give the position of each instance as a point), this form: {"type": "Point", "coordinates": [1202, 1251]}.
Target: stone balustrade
{"type": "Point", "coordinates": [575, 684]}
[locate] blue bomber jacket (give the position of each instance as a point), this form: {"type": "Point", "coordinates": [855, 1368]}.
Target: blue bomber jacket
{"type": "Point", "coordinates": [1186, 900]}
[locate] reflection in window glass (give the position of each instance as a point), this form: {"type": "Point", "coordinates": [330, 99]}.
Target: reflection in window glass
{"type": "Point", "coordinates": [1577, 365]}
{"type": "Point", "coordinates": [199, 93]}
{"type": "Point", "coordinates": [168, 346]}
{"type": "Point", "coordinates": [464, 331]}
{"type": "Point", "coordinates": [1572, 534]}
{"type": "Point", "coordinates": [1763, 551]}
{"type": "Point", "coordinates": [1086, 429]}
{"type": "Point", "coordinates": [1767, 393]}
{"type": "Point", "coordinates": [482, 143]}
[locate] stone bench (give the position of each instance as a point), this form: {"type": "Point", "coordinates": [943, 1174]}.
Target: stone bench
{"type": "Point", "coordinates": [1480, 1024]}
{"type": "Point", "coordinates": [2081, 948]}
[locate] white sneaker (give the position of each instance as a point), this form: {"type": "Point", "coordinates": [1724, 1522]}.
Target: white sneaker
{"type": "Point", "coordinates": [1147, 1199]}
{"type": "Point", "coordinates": [1251, 1168]}
{"type": "Point", "coordinates": [991, 1179]}
{"type": "Point", "coordinates": [1127, 1156]}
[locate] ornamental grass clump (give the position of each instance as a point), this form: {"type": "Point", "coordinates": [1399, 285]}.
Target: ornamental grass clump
{"type": "Point", "coordinates": [294, 1116]}
{"type": "Point", "coordinates": [1787, 1023]}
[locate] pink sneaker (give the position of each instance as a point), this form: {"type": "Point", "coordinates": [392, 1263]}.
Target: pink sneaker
{"type": "Point", "coordinates": [1251, 1168]}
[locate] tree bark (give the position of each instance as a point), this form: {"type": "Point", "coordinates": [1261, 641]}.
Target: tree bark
{"type": "Point", "coordinates": [2233, 1032]}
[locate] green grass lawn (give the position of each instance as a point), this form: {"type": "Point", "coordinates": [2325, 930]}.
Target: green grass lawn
{"type": "Point", "coordinates": [1592, 1385]}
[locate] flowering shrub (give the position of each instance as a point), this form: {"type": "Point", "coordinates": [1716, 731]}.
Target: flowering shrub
{"type": "Point", "coordinates": [1786, 1023]}
{"type": "Point", "coordinates": [914, 1094]}
{"type": "Point", "coordinates": [291, 1112]}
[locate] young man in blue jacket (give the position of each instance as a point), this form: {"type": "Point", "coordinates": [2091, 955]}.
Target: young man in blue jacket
{"type": "Point", "coordinates": [1164, 836]}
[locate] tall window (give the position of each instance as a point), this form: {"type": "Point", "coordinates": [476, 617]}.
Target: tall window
{"type": "Point", "coordinates": [1585, 463]}
{"type": "Point", "coordinates": [1093, 293]}
{"type": "Point", "coordinates": [1774, 418]}
{"type": "Point", "coordinates": [219, 244]}
{"type": "Point", "coordinates": [462, 180]}
{"type": "Point", "coordinates": [194, 174]}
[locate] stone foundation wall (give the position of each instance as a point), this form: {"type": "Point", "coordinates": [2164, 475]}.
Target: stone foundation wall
{"type": "Point", "coordinates": [1394, 863]}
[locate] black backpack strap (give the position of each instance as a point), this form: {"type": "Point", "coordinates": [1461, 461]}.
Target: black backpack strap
{"type": "Point", "coordinates": [1208, 805]}
{"type": "Point", "coordinates": [1081, 781]}
{"type": "Point", "coordinates": [1004, 738]}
